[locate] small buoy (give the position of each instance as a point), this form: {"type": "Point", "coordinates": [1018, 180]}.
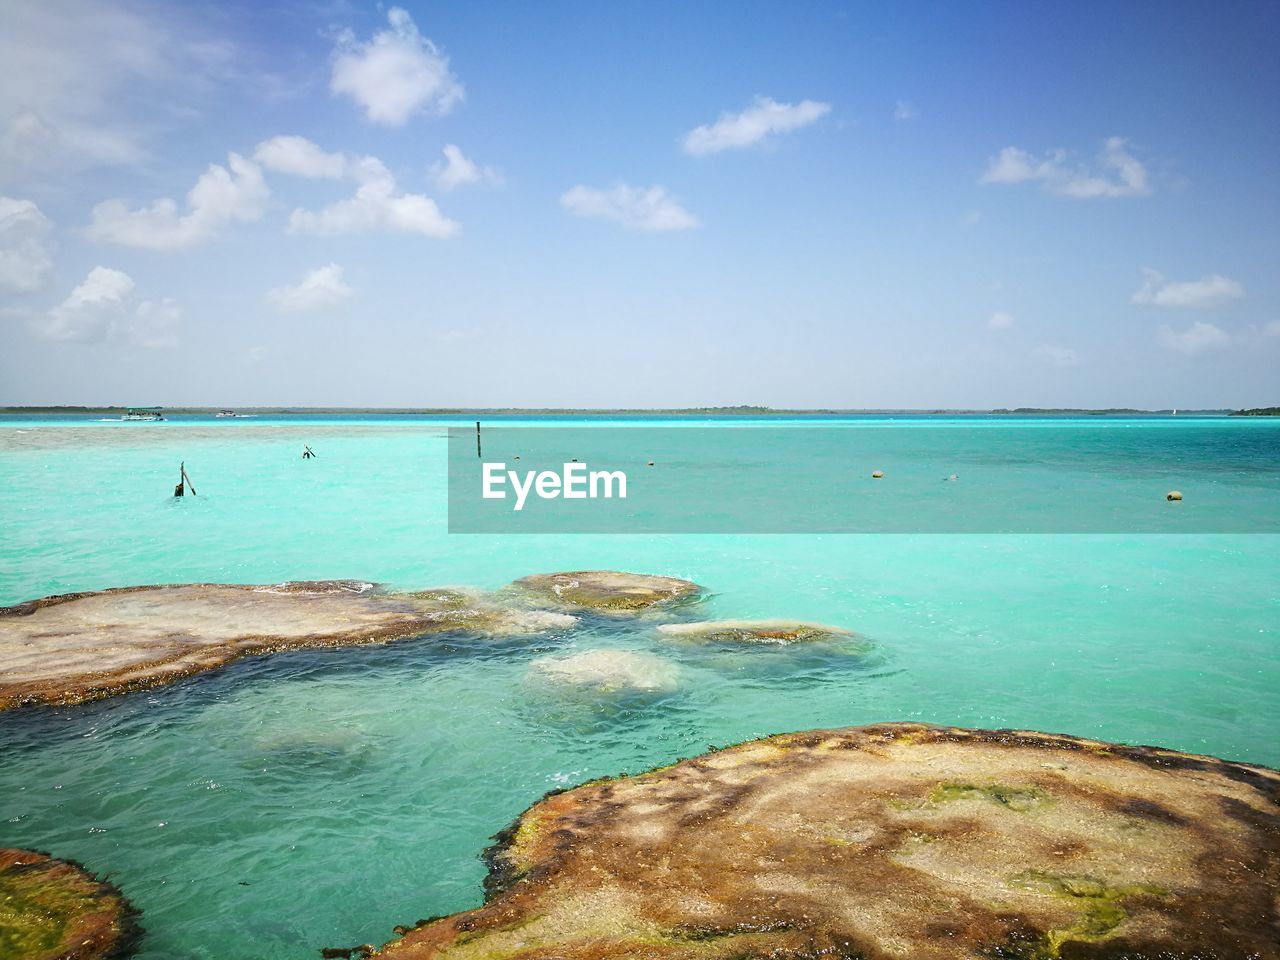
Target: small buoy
{"type": "Point", "coordinates": [650, 463]}
{"type": "Point", "coordinates": [1173, 495]}
{"type": "Point", "coordinates": [877, 474]}
{"type": "Point", "coordinates": [517, 458]}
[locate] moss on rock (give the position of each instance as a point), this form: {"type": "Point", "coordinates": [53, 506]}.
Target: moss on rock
{"type": "Point", "coordinates": [775, 632]}
{"type": "Point", "coordinates": [56, 910]}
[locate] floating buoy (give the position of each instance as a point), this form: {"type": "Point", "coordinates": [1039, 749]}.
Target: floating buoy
{"type": "Point", "coordinates": [517, 458]}
{"type": "Point", "coordinates": [877, 474]}
{"type": "Point", "coordinates": [1173, 495]}
{"type": "Point", "coordinates": [650, 463]}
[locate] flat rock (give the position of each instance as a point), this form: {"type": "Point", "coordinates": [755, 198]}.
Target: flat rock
{"type": "Point", "coordinates": [606, 591]}
{"type": "Point", "coordinates": [607, 672]}
{"type": "Point", "coordinates": [56, 910]}
{"type": "Point", "coordinates": [899, 841]}
{"type": "Point", "coordinates": [76, 647]}
{"type": "Point", "coordinates": [776, 632]}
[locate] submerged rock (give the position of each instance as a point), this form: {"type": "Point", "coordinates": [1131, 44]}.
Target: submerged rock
{"type": "Point", "coordinates": [607, 672]}
{"type": "Point", "coordinates": [606, 591]}
{"type": "Point", "coordinates": [896, 841]}
{"type": "Point", "coordinates": [81, 646]}
{"type": "Point", "coordinates": [56, 910]}
{"type": "Point", "coordinates": [778, 632]}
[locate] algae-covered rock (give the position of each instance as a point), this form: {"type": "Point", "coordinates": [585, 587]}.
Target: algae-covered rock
{"type": "Point", "coordinates": [607, 672]}
{"type": "Point", "coordinates": [76, 647]}
{"type": "Point", "coordinates": [606, 591]}
{"type": "Point", "coordinates": [899, 841]}
{"type": "Point", "coordinates": [56, 910]}
{"type": "Point", "coordinates": [775, 632]}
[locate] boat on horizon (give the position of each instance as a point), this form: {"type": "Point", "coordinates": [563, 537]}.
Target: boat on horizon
{"type": "Point", "coordinates": [226, 413]}
{"type": "Point", "coordinates": [143, 413]}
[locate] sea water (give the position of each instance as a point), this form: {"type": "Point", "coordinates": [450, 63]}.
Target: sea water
{"type": "Point", "coordinates": [318, 798]}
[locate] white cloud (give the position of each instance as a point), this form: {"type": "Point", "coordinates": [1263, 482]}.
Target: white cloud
{"type": "Point", "coordinates": [300, 157]}
{"type": "Point", "coordinates": [1211, 291]}
{"type": "Point", "coordinates": [1126, 176]}
{"type": "Point", "coordinates": [1195, 339]}
{"type": "Point", "coordinates": [27, 142]}
{"type": "Point", "coordinates": [396, 74]}
{"type": "Point", "coordinates": [1056, 355]}
{"type": "Point", "coordinates": [320, 288]}
{"type": "Point", "coordinates": [637, 208]}
{"type": "Point", "coordinates": [94, 82]}
{"type": "Point", "coordinates": [154, 323]}
{"type": "Point", "coordinates": [457, 170]}
{"type": "Point", "coordinates": [1001, 320]}
{"type": "Point", "coordinates": [763, 119]}
{"type": "Point", "coordinates": [377, 205]}
{"type": "Point", "coordinates": [905, 110]}
{"type": "Point", "coordinates": [90, 309]}
{"type": "Point", "coordinates": [25, 264]}
{"type": "Point", "coordinates": [101, 308]}
{"type": "Point", "coordinates": [220, 196]}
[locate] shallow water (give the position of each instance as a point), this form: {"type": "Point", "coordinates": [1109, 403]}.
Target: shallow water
{"type": "Point", "coordinates": [318, 798]}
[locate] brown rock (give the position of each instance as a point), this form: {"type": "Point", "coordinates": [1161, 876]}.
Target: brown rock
{"type": "Point", "coordinates": [81, 646]}
{"type": "Point", "coordinates": [899, 841]}
{"type": "Point", "coordinates": [606, 591]}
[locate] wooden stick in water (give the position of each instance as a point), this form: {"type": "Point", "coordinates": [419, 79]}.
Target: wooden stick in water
{"type": "Point", "coordinates": [478, 453]}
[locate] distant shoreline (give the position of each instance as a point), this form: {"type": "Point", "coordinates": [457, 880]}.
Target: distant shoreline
{"type": "Point", "coordinates": [654, 411]}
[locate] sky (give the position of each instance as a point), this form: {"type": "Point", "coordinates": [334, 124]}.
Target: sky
{"type": "Point", "coordinates": [818, 205]}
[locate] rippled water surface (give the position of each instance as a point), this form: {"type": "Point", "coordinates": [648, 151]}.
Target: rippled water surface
{"type": "Point", "coordinates": [319, 798]}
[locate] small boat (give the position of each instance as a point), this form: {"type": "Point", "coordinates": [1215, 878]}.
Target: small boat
{"type": "Point", "coordinates": [226, 413]}
{"type": "Point", "coordinates": [143, 413]}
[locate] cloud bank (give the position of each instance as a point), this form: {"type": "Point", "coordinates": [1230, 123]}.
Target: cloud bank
{"type": "Point", "coordinates": [319, 289]}
{"type": "Point", "coordinates": [25, 263]}
{"type": "Point", "coordinates": [648, 209]}
{"type": "Point", "coordinates": [1124, 175]}
{"type": "Point", "coordinates": [395, 75]}
{"type": "Point", "coordinates": [458, 171]}
{"type": "Point", "coordinates": [1211, 291]}
{"type": "Point", "coordinates": [221, 195]}
{"type": "Point", "coordinates": [764, 120]}
{"type": "Point", "coordinates": [101, 308]}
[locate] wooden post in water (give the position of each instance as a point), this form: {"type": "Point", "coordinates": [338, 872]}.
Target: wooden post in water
{"type": "Point", "coordinates": [478, 454]}
{"type": "Point", "coordinates": [183, 481]}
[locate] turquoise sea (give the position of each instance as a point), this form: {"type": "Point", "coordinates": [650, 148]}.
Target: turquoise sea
{"type": "Point", "coordinates": [318, 798]}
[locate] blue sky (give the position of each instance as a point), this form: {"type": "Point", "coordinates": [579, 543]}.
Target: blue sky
{"type": "Point", "coordinates": [659, 204]}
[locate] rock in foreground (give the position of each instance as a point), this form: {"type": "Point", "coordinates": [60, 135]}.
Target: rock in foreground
{"type": "Point", "coordinates": [606, 591]}
{"type": "Point", "coordinates": [81, 646]}
{"type": "Point", "coordinates": [56, 910]}
{"type": "Point", "coordinates": [896, 841]}
{"type": "Point", "coordinates": [776, 632]}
